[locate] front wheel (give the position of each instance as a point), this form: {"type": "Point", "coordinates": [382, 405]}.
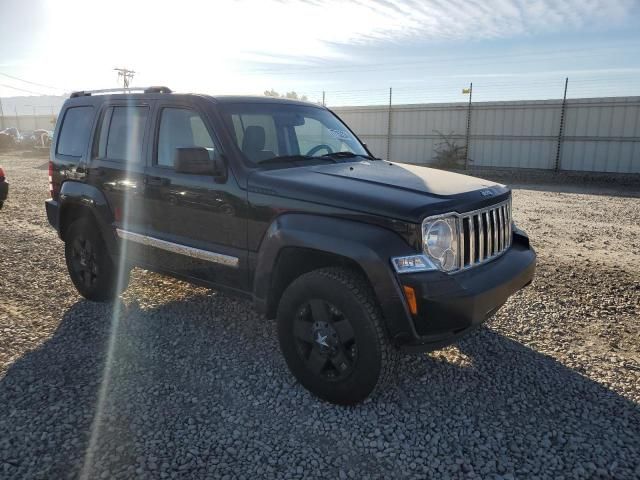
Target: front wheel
{"type": "Point", "coordinates": [90, 266]}
{"type": "Point", "coordinates": [332, 338]}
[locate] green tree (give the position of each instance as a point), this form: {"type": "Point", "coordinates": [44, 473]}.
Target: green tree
{"type": "Point", "coordinates": [292, 95]}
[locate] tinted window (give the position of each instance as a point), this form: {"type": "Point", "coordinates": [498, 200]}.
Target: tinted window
{"type": "Point", "coordinates": [314, 133]}
{"type": "Point", "coordinates": [265, 131]}
{"type": "Point", "coordinates": [264, 126]}
{"type": "Point", "coordinates": [75, 131]}
{"type": "Point", "coordinates": [122, 133]}
{"type": "Point", "coordinates": [180, 127]}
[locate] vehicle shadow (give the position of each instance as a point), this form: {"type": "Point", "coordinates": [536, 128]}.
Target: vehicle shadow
{"type": "Point", "coordinates": [197, 388]}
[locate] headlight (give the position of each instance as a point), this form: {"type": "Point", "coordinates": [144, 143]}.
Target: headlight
{"type": "Point", "coordinates": [440, 242]}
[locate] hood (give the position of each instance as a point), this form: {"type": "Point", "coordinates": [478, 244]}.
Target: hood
{"type": "Point", "coordinates": [396, 190]}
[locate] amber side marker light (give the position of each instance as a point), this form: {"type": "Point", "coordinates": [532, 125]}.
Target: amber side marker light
{"type": "Point", "coordinates": [410, 295]}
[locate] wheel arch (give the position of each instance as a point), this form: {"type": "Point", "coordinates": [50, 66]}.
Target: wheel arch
{"type": "Point", "coordinates": [297, 243]}
{"type": "Point", "coordinates": [79, 200]}
{"type": "Point", "coordinates": [294, 261]}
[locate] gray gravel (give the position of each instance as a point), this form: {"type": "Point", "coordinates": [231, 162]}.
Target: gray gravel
{"type": "Point", "coordinates": [183, 382]}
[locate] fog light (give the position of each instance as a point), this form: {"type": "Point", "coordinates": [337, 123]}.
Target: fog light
{"type": "Point", "coordinates": [413, 263]}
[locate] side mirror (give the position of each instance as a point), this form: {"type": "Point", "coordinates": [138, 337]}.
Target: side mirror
{"type": "Point", "coordinates": [193, 160]}
{"type": "Point", "coordinates": [196, 161]}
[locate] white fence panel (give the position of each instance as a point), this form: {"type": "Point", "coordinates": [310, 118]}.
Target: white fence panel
{"type": "Point", "coordinates": [600, 134]}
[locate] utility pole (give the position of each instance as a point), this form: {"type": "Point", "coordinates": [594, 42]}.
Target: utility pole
{"type": "Point", "coordinates": [323, 104]}
{"type": "Point", "coordinates": [468, 135]}
{"type": "Point", "coordinates": [126, 75]}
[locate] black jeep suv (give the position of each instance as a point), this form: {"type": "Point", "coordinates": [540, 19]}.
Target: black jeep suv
{"type": "Point", "coordinates": [278, 201]}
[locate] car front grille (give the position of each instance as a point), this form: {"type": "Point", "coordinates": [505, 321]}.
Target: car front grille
{"type": "Point", "coordinates": [484, 234]}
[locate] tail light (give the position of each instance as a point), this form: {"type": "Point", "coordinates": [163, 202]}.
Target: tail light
{"type": "Point", "coordinates": [2, 176]}
{"type": "Point", "coordinates": [53, 188]}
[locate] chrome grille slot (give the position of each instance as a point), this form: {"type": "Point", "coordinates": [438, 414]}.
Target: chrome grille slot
{"type": "Point", "coordinates": [484, 234]}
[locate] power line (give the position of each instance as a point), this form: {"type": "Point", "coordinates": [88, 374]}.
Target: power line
{"type": "Point", "coordinates": [30, 82]}
{"type": "Point", "coordinates": [23, 89]}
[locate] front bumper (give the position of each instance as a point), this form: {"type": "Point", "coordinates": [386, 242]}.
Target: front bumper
{"type": "Point", "coordinates": [451, 305]}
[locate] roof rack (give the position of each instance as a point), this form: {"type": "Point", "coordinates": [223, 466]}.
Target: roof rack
{"type": "Point", "coordinates": [88, 93]}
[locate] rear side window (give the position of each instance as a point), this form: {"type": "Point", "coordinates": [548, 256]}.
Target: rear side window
{"type": "Point", "coordinates": [75, 131]}
{"type": "Point", "coordinates": [122, 134]}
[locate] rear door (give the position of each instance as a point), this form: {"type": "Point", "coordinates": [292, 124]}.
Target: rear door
{"type": "Point", "coordinates": [118, 163]}
{"type": "Point", "coordinates": [200, 222]}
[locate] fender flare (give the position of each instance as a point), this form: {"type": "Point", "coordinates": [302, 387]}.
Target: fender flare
{"type": "Point", "coordinates": [369, 246]}
{"type": "Point", "coordinates": [75, 195]}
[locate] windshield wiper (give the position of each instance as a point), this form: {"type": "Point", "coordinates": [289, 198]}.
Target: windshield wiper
{"type": "Point", "coordinates": [348, 155]}
{"type": "Point", "coordinates": [293, 158]}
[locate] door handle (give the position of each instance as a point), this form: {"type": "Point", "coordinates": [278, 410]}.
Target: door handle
{"type": "Point", "coordinates": [157, 181]}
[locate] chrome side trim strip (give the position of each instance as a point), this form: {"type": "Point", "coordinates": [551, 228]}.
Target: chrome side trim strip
{"type": "Point", "coordinates": [192, 252]}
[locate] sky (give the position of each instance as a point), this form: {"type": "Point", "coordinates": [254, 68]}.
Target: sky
{"type": "Point", "coordinates": [426, 50]}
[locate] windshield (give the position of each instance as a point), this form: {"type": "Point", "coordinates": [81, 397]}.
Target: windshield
{"type": "Point", "coordinates": [266, 132]}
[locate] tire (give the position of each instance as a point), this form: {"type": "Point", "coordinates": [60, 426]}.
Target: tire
{"type": "Point", "coordinates": [343, 363]}
{"type": "Point", "coordinates": [90, 266]}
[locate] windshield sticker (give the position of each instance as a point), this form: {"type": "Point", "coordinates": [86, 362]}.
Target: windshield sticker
{"type": "Point", "coordinates": [340, 134]}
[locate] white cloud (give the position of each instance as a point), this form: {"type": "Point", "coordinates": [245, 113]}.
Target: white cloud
{"type": "Point", "coordinates": [226, 28]}
{"type": "Point", "coordinates": [211, 41]}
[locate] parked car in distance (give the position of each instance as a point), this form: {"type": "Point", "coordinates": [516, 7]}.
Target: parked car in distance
{"type": "Point", "coordinates": [38, 138]}
{"type": "Point", "coordinates": [4, 187]}
{"type": "Point", "coordinates": [14, 132]}
{"type": "Point", "coordinates": [279, 202]}
{"type": "Point", "coordinates": [9, 138]}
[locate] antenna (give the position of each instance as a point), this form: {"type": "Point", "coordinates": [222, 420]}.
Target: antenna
{"type": "Point", "coordinates": [126, 75]}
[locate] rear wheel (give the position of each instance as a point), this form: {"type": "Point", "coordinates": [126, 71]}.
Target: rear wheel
{"type": "Point", "coordinates": [331, 335]}
{"type": "Point", "coordinates": [90, 266]}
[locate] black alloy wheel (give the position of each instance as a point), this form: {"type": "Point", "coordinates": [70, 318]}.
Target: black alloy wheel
{"type": "Point", "coordinates": [91, 268]}
{"type": "Point", "coordinates": [332, 335]}
{"type": "Point", "coordinates": [83, 261]}
{"type": "Point", "coordinates": [325, 340]}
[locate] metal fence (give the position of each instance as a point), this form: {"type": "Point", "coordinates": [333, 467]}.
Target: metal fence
{"type": "Point", "coordinates": [28, 122]}
{"type": "Point", "coordinates": [594, 134]}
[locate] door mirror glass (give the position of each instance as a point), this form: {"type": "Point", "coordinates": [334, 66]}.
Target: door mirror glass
{"type": "Point", "coordinates": [193, 160]}
{"type": "Point", "coordinates": [198, 161]}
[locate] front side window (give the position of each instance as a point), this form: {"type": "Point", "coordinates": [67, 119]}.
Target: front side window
{"type": "Point", "coordinates": [75, 130]}
{"type": "Point", "coordinates": [181, 127]}
{"type": "Point", "coordinates": [267, 132]}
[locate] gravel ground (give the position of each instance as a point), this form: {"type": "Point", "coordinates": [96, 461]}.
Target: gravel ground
{"type": "Point", "coordinates": [183, 382]}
